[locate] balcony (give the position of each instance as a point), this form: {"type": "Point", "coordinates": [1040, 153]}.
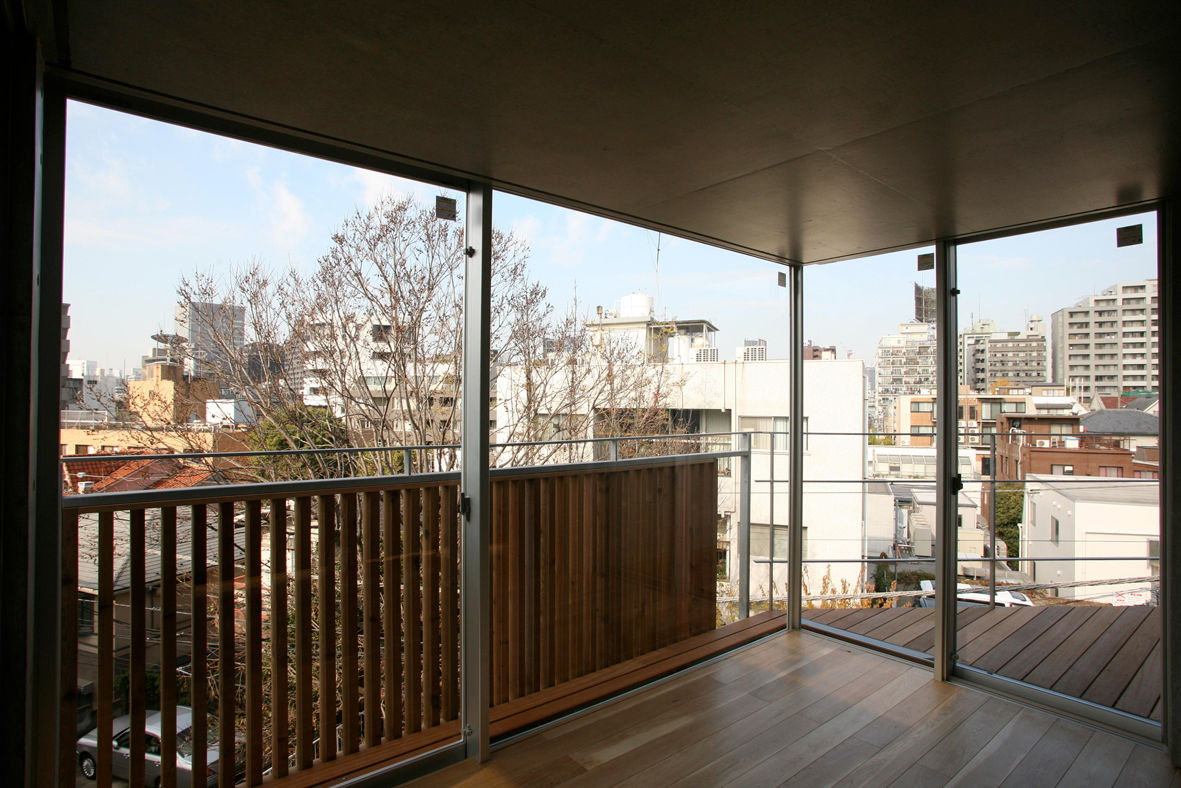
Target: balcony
{"type": "Point", "coordinates": [329, 657]}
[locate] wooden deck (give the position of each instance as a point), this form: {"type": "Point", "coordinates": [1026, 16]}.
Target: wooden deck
{"type": "Point", "coordinates": [1107, 655]}
{"type": "Point", "coordinates": [802, 709]}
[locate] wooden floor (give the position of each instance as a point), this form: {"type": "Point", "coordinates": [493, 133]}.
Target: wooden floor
{"type": "Point", "coordinates": [1106, 655]}
{"type": "Point", "coordinates": [802, 709]}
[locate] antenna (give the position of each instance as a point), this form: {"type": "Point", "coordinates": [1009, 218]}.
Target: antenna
{"type": "Point", "coordinates": [659, 237]}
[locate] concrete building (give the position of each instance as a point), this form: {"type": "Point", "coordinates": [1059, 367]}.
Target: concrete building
{"type": "Point", "coordinates": [748, 394]}
{"type": "Point", "coordinates": [1107, 344]}
{"type": "Point", "coordinates": [818, 353]}
{"type": "Point", "coordinates": [989, 358]}
{"type": "Point", "coordinates": [210, 331]}
{"type": "Point", "coordinates": [1093, 517]}
{"type": "Point", "coordinates": [904, 363]}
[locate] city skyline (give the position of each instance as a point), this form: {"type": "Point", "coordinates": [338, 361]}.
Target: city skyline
{"type": "Point", "coordinates": [147, 202]}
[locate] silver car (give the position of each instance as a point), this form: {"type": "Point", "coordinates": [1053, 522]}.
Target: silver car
{"type": "Point", "coordinates": [121, 750]}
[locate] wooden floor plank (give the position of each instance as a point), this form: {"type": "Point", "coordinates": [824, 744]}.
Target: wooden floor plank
{"type": "Point", "coordinates": [959, 746]}
{"type": "Point", "coordinates": [1146, 767]}
{"type": "Point", "coordinates": [1117, 674]}
{"type": "Point", "coordinates": [1100, 762]}
{"type": "Point", "coordinates": [1059, 661]}
{"type": "Point", "coordinates": [878, 619]}
{"type": "Point", "coordinates": [800, 709]}
{"type": "Point", "coordinates": [893, 761]}
{"type": "Point", "coordinates": [997, 759]}
{"type": "Point", "coordinates": [1083, 671]}
{"type": "Point", "coordinates": [803, 750]}
{"type": "Point", "coordinates": [1021, 664]}
{"type": "Point", "coordinates": [1143, 693]}
{"type": "Point", "coordinates": [834, 764]}
{"type": "Point", "coordinates": [1051, 757]}
{"type": "Point", "coordinates": [1016, 642]}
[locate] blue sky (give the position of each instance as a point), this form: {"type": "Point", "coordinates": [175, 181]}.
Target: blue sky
{"type": "Point", "coordinates": [147, 202]}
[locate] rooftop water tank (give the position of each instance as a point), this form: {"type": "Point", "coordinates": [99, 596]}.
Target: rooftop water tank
{"type": "Point", "coordinates": [638, 305]}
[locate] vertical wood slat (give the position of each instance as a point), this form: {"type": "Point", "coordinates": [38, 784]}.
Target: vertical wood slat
{"type": "Point", "coordinates": [391, 537]}
{"type": "Point", "coordinates": [104, 696]}
{"type": "Point", "coordinates": [545, 589]}
{"type": "Point", "coordinates": [347, 520]}
{"type": "Point", "coordinates": [327, 654]}
{"type": "Point", "coordinates": [431, 691]}
{"type": "Point", "coordinates": [279, 676]}
{"type": "Point", "coordinates": [561, 645]}
{"type": "Point", "coordinates": [199, 625]}
{"type": "Point", "coordinates": [138, 667]}
{"type": "Point", "coordinates": [411, 609]}
{"type": "Point", "coordinates": [68, 637]}
{"type": "Point", "coordinates": [225, 644]}
{"type": "Point", "coordinates": [513, 581]}
{"type": "Point", "coordinates": [304, 729]}
{"type": "Point", "coordinates": [168, 647]}
{"type": "Point", "coordinates": [370, 557]}
{"type": "Point", "coordinates": [254, 709]}
{"type": "Point", "coordinates": [498, 560]}
{"type": "Point", "coordinates": [449, 559]}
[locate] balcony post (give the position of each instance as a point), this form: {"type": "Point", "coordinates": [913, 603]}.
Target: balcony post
{"type": "Point", "coordinates": [795, 465]}
{"type": "Point", "coordinates": [1169, 327]}
{"type": "Point", "coordinates": [946, 458]}
{"type": "Point", "coordinates": [38, 715]}
{"type": "Point", "coordinates": [476, 664]}
{"type": "Point", "coordinates": [744, 528]}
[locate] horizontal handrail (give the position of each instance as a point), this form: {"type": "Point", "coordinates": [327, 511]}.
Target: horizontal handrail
{"type": "Point", "coordinates": [183, 496]}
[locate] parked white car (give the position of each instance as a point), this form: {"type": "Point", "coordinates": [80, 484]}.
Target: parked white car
{"type": "Point", "coordinates": [120, 745]}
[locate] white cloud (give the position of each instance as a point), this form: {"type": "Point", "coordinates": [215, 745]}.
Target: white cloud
{"type": "Point", "coordinates": [289, 222]}
{"type": "Point", "coordinates": [105, 179]}
{"type": "Point", "coordinates": [372, 186]}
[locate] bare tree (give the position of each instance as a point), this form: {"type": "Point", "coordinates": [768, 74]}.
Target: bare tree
{"type": "Point", "coordinates": [366, 351]}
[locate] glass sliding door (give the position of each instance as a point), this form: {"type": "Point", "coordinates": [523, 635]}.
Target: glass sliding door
{"type": "Point", "coordinates": [1058, 541]}
{"type": "Point", "coordinates": [263, 382]}
{"type": "Point", "coordinates": [869, 454]}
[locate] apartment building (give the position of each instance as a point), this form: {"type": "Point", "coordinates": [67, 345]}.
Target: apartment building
{"type": "Point", "coordinates": [211, 332]}
{"type": "Point", "coordinates": [904, 364]}
{"type": "Point", "coordinates": [989, 358]}
{"type": "Point", "coordinates": [1106, 344]}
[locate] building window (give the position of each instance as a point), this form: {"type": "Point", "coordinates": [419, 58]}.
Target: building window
{"type": "Point", "coordinates": [760, 540]}
{"type": "Point", "coordinates": [762, 425]}
{"type": "Point", "coordinates": [1062, 470]}
{"type": "Point", "coordinates": [1054, 530]}
{"type": "Point", "coordinates": [922, 407]}
{"type": "Point", "coordinates": [986, 466]}
{"type": "Point", "coordinates": [1111, 470]}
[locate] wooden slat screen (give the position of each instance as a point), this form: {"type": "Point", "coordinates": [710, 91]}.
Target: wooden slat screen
{"type": "Point", "coordinates": [353, 601]}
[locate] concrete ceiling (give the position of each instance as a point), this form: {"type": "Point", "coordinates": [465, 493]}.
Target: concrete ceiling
{"type": "Point", "coordinates": [803, 131]}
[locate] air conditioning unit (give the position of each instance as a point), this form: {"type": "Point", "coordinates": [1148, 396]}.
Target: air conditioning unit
{"type": "Point", "coordinates": [706, 354]}
{"type": "Point", "coordinates": [1043, 444]}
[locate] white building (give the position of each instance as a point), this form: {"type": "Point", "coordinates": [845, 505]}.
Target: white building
{"type": "Point", "coordinates": [228, 412]}
{"type": "Point", "coordinates": [1092, 516]}
{"type": "Point", "coordinates": [750, 394]}
{"type": "Point", "coordinates": [1106, 344]}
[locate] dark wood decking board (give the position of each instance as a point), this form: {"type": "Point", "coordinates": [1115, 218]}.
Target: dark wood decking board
{"type": "Point", "coordinates": [1107, 655]}
{"type": "Point", "coordinates": [842, 716]}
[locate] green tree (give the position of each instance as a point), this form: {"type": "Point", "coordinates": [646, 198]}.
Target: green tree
{"type": "Point", "coordinates": [299, 428]}
{"type": "Point", "coordinates": [1010, 506]}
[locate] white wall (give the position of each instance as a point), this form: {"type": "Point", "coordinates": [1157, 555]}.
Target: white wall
{"type": "Point", "coordinates": [1089, 528]}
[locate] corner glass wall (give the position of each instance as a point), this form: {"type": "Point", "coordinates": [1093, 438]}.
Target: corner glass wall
{"type": "Point", "coordinates": [259, 440]}
{"type": "Point", "coordinates": [869, 455]}
{"type": "Point", "coordinates": [1059, 544]}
